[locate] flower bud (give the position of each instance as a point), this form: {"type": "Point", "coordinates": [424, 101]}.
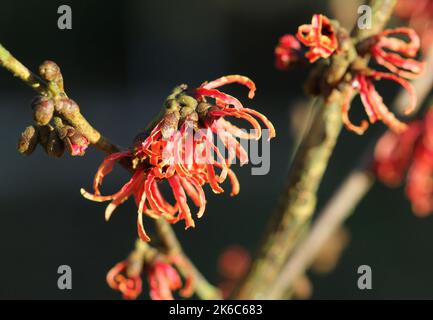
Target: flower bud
{"type": "Point", "coordinates": [50, 71]}
{"type": "Point", "coordinates": [43, 110]}
{"type": "Point", "coordinates": [170, 124]}
{"type": "Point", "coordinates": [203, 108]}
{"type": "Point", "coordinates": [54, 147]}
{"type": "Point", "coordinates": [76, 143]}
{"type": "Point", "coordinates": [28, 141]}
{"type": "Point", "coordinates": [66, 106]}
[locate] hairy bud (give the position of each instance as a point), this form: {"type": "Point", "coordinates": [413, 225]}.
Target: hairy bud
{"type": "Point", "coordinates": [43, 110]}
{"type": "Point", "coordinates": [50, 71]}
{"type": "Point", "coordinates": [67, 106]}
{"type": "Point", "coordinates": [55, 146]}
{"type": "Point", "coordinates": [28, 141]}
{"type": "Point", "coordinates": [170, 124]}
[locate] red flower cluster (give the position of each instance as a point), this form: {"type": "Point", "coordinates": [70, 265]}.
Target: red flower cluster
{"type": "Point", "coordinates": [319, 37]}
{"type": "Point", "coordinates": [162, 275]}
{"type": "Point", "coordinates": [409, 154]}
{"type": "Point", "coordinates": [287, 52]}
{"type": "Point", "coordinates": [396, 55]}
{"type": "Point", "coordinates": [163, 279]}
{"type": "Point", "coordinates": [180, 150]}
{"type": "Point", "coordinates": [129, 286]}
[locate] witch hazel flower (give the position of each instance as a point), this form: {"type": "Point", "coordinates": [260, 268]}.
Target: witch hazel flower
{"type": "Point", "coordinates": [129, 285]}
{"type": "Point", "coordinates": [396, 55]}
{"type": "Point", "coordinates": [180, 151]}
{"type": "Point", "coordinates": [162, 276]}
{"type": "Point", "coordinates": [164, 279]}
{"type": "Point", "coordinates": [288, 52]}
{"type": "Point", "coordinates": [409, 156]}
{"type": "Point", "coordinates": [319, 40]}
{"type": "Point", "coordinates": [319, 36]}
{"type": "Point", "coordinates": [393, 49]}
{"type": "Point", "coordinates": [162, 271]}
{"type": "Point", "coordinates": [375, 108]}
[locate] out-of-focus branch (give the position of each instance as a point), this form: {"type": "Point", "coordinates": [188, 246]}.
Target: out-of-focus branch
{"type": "Point", "coordinates": [298, 202]}
{"type": "Point", "coordinates": [203, 289]}
{"type": "Point", "coordinates": [332, 216]}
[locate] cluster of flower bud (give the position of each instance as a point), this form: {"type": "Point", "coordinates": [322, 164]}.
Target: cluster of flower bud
{"type": "Point", "coordinates": [51, 112]}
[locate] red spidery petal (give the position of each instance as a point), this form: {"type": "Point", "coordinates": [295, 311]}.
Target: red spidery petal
{"type": "Point", "coordinates": [405, 84]}
{"type": "Point", "coordinates": [409, 48]}
{"type": "Point", "coordinates": [364, 87]}
{"type": "Point", "coordinates": [393, 153]}
{"type": "Point", "coordinates": [219, 97]}
{"type": "Point", "coordinates": [234, 183]}
{"type": "Point", "coordinates": [287, 52]}
{"type": "Point", "coordinates": [196, 193]}
{"type": "Point", "coordinates": [212, 179]}
{"type": "Point", "coordinates": [123, 194]}
{"type": "Point", "coordinates": [106, 167]}
{"type": "Point", "coordinates": [155, 198]}
{"type": "Point", "coordinates": [100, 198]}
{"type": "Point", "coordinates": [232, 145]}
{"type": "Point", "coordinates": [359, 129]}
{"type": "Point", "coordinates": [140, 228]}
{"type": "Point", "coordinates": [211, 146]}
{"type": "Point", "coordinates": [189, 286]}
{"type": "Point", "coordinates": [263, 119]}
{"type": "Point", "coordinates": [232, 79]}
{"type": "Point", "coordinates": [163, 279]}
{"type": "Point", "coordinates": [398, 61]}
{"type": "Point", "coordinates": [233, 130]}
{"type": "Point", "coordinates": [130, 287]}
{"type": "Point", "coordinates": [383, 112]}
{"type": "Point", "coordinates": [180, 196]}
{"type": "Point", "coordinates": [242, 115]}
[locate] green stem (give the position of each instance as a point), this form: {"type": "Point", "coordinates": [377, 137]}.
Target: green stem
{"type": "Point", "coordinates": [8, 61]}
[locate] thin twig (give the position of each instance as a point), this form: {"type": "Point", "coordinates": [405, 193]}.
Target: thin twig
{"type": "Point", "coordinates": [203, 288]}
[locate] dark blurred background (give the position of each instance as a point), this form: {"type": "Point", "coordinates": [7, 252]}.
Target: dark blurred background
{"type": "Point", "coordinates": [119, 61]}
